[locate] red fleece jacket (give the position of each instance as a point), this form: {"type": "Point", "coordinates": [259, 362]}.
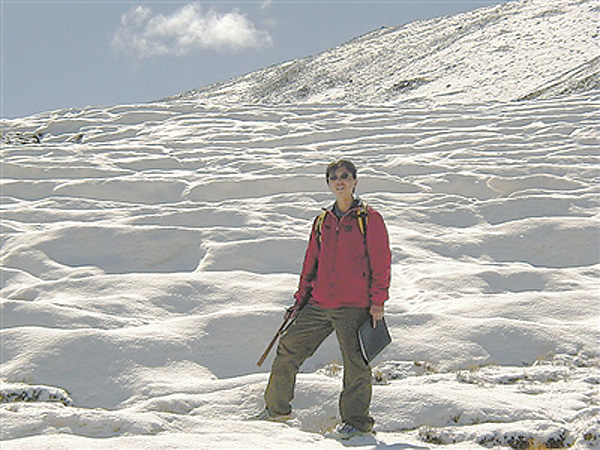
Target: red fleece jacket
{"type": "Point", "coordinates": [346, 268]}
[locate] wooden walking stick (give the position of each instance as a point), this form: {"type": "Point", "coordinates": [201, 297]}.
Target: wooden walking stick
{"type": "Point", "coordinates": [282, 328]}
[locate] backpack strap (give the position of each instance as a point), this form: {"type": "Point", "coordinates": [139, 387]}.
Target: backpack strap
{"type": "Point", "coordinates": [319, 224]}
{"type": "Point", "coordinates": [363, 217]}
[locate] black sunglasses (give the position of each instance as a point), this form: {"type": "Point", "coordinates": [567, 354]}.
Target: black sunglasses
{"type": "Point", "coordinates": [343, 176]}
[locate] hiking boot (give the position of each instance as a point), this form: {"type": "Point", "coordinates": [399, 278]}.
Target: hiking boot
{"type": "Point", "coordinates": [265, 414]}
{"type": "Point", "coordinates": [347, 431]}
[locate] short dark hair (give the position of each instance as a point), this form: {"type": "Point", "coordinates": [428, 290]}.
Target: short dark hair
{"type": "Point", "coordinates": [335, 165]}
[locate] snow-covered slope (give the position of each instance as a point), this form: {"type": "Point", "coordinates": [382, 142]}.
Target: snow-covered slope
{"type": "Point", "coordinates": [581, 79]}
{"type": "Point", "coordinates": [149, 252]}
{"type": "Point", "coordinates": [503, 52]}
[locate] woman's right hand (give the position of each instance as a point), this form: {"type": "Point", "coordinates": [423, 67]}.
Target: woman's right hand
{"type": "Point", "coordinates": [291, 312]}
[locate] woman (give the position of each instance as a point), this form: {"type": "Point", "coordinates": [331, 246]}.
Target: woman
{"type": "Point", "coordinates": [345, 279]}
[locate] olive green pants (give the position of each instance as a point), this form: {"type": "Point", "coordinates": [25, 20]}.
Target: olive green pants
{"type": "Point", "coordinates": [301, 340]}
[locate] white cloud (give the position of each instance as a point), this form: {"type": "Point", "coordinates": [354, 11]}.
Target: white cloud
{"type": "Point", "coordinates": [144, 34]}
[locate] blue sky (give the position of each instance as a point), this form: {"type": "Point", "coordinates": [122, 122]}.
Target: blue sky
{"type": "Point", "coordinates": [61, 54]}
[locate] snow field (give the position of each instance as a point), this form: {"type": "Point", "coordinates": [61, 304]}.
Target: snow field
{"type": "Point", "coordinates": [147, 263]}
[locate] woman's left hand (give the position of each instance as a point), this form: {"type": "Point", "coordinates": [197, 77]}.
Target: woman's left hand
{"type": "Point", "coordinates": [376, 314]}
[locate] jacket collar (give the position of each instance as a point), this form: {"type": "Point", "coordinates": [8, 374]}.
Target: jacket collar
{"type": "Point", "coordinates": [355, 204]}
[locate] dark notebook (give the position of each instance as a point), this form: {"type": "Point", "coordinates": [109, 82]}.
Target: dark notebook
{"type": "Point", "coordinates": [373, 340]}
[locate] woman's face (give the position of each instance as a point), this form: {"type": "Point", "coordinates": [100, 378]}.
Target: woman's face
{"type": "Point", "coordinates": [342, 183]}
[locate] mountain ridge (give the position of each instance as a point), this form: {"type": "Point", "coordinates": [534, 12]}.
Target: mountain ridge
{"type": "Point", "coordinates": [497, 53]}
